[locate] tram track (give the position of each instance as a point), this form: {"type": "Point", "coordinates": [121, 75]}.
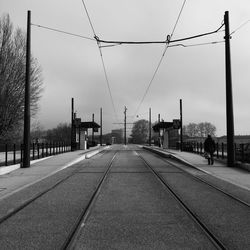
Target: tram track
{"type": "Point", "coordinates": [121, 198]}
{"type": "Point", "coordinates": [213, 238]}
{"type": "Point", "coordinates": [200, 179]}
{"type": "Point", "coordinates": [223, 213]}
{"type": "Point", "coordinates": [81, 220]}
{"type": "Point", "coordinates": [13, 211]}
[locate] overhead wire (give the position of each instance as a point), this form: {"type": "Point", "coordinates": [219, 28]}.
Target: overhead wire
{"type": "Point", "coordinates": [167, 41]}
{"type": "Point", "coordinates": [243, 24]}
{"type": "Point", "coordinates": [103, 64]}
{"type": "Point", "coordinates": [194, 45]}
{"type": "Point", "coordinates": [87, 13]}
{"type": "Point", "coordinates": [161, 59]}
{"type": "Point", "coordinates": [64, 32]}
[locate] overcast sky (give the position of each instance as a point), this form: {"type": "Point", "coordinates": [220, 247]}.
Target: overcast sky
{"type": "Point", "coordinates": [72, 66]}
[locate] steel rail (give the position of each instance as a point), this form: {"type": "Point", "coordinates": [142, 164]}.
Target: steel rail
{"type": "Point", "coordinates": [32, 199]}
{"type": "Point", "coordinates": [35, 197]}
{"type": "Point", "coordinates": [209, 184]}
{"type": "Point", "coordinates": [202, 180]}
{"type": "Point", "coordinates": [217, 243]}
{"type": "Point", "coordinates": [71, 240]}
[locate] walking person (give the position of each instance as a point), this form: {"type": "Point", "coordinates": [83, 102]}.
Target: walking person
{"type": "Point", "coordinates": [209, 147]}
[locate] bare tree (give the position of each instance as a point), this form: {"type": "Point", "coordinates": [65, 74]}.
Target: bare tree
{"type": "Point", "coordinates": [201, 129]}
{"type": "Point", "coordinates": [190, 129]}
{"type": "Point", "coordinates": [12, 78]}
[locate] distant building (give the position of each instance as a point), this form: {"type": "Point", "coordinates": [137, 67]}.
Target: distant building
{"type": "Point", "coordinates": [117, 136]}
{"type": "Point", "coordinates": [168, 135]}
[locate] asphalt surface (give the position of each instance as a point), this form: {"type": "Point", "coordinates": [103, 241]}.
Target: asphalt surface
{"type": "Point", "coordinates": [133, 210]}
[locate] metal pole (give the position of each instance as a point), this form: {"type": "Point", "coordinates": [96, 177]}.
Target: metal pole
{"type": "Point", "coordinates": [125, 125]}
{"type": "Point", "coordinates": [26, 135]}
{"type": "Point", "coordinates": [159, 135]}
{"type": "Point", "coordinates": [101, 127]}
{"type": "Point", "coordinates": [229, 96]}
{"type": "Point", "coordinates": [181, 131]}
{"type": "Point", "coordinates": [93, 119]}
{"type": "Point", "coordinates": [149, 127]}
{"type": "Point", "coordinates": [72, 125]}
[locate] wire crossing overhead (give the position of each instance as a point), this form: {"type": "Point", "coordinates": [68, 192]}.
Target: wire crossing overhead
{"type": "Point", "coordinates": [161, 59]}
{"type": "Point", "coordinates": [103, 64]}
{"type": "Point", "coordinates": [167, 41]}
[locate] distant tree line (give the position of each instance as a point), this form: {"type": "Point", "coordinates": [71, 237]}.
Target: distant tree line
{"type": "Point", "coordinates": [201, 129]}
{"type": "Point", "coordinates": [140, 131]}
{"type": "Point", "coordinates": [12, 81]}
{"type": "Point", "coordinates": [62, 133]}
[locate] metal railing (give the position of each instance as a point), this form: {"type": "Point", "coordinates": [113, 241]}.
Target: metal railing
{"type": "Point", "coordinates": [242, 150]}
{"type": "Point", "coordinates": [13, 154]}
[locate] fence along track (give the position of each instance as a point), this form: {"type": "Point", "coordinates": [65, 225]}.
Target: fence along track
{"type": "Point", "coordinates": [81, 220]}
{"type": "Point", "coordinates": [217, 243]}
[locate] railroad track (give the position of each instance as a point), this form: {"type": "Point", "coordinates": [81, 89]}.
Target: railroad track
{"type": "Point", "coordinates": [73, 231]}
{"type": "Point", "coordinates": [12, 212]}
{"type": "Point", "coordinates": [200, 179]}
{"type": "Point", "coordinates": [209, 230]}
{"type": "Point", "coordinates": [213, 238]}
{"type": "Point", "coordinates": [81, 220]}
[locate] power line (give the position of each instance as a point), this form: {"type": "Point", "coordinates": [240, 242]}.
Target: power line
{"type": "Point", "coordinates": [92, 27]}
{"type": "Point", "coordinates": [240, 27]}
{"type": "Point", "coordinates": [64, 32]}
{"type": "Point", "coordinates": [161, 59]}
{"type": "Point", "coordinates": [103, 64]}
{"type": "Point", "coordinates": [167, 41]}
{"type": "Point", "coordinates": [195, 45]}
{"type": "Point", "coordinates": [182, 7]}
{"type": "Point", "coordinates": [107, 81]}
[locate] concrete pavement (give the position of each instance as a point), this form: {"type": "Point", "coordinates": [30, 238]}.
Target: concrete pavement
{"type": "Point", "coordinates": [13, 178]}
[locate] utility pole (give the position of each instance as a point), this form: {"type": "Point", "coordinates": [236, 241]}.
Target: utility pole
{"type": "Point", "coordinates": [125, 125]}
{"type": "Point", "coordinates": [93, 120]}
{"type": "Point", "coordinates": [181, 129]}
{"type": "Point", "coordinates": [72, 125]}
{"type": "Point", "coordinates": [101, 127]}
{"type": "Point", "coordinates": [26, 134]}
{"type": "Point", "coordinates": [159, 120]}
{"type": "Point", "coordinates": [229, 96]}
{"type": "Point", "coordinates": [149, 129]}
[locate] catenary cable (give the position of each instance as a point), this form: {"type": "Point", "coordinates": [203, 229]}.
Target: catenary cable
{"type": "Point", "coordinates": [167, 41]}
{"type": "Point", "coordinates": [161, 59]}
{"type": "Point", "coordinates": [194, 45]}
{"type": "Point", "coordinates": [103, 64]}
{"type": "Point", "coordinates": [61, 31]}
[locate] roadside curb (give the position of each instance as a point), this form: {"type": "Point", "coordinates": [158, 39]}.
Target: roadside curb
{"type": "Point", "coordinates": [179, 159]}
{"type": "Point", "coordinates": [86, 155]}
{"type": "Point", "coordinates": [10, 168]}
{"type": "Point", "coordinates": [172, 156]}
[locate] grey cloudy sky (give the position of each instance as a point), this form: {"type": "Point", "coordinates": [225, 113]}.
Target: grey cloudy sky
{"type": "Point", "coordinates": [72, 66]}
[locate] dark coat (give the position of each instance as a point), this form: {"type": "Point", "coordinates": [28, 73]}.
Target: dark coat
{"type": "Point", "coordinates": [209, 145]}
